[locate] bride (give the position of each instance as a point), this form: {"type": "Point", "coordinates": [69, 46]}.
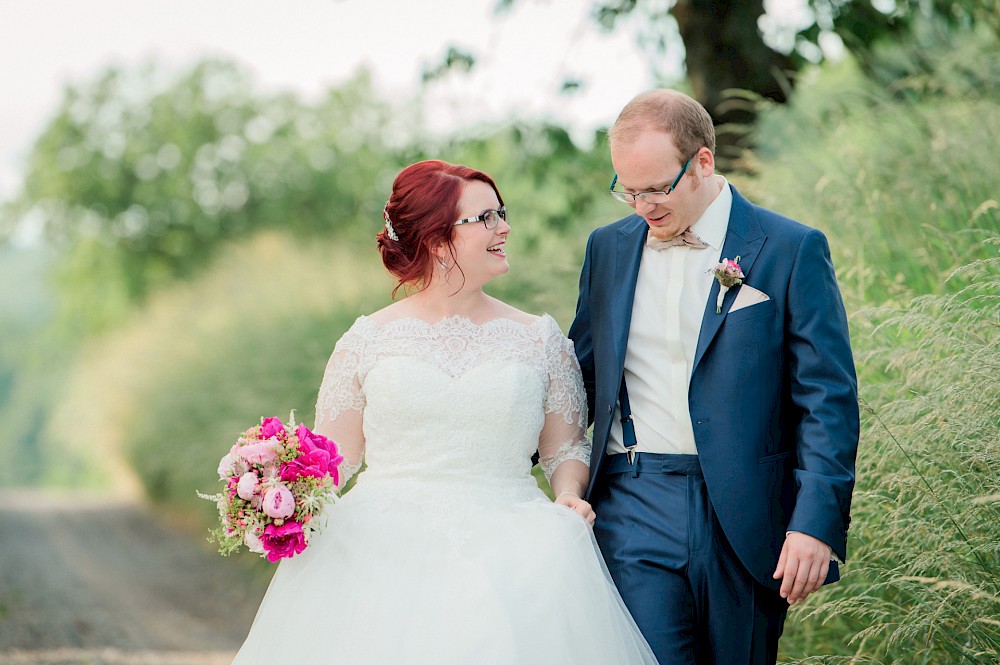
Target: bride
{"type": "Point", "coordinates": [445, 551]}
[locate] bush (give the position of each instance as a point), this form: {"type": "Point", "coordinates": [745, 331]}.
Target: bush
{"type": "Point", "coordinates": [157, 403]}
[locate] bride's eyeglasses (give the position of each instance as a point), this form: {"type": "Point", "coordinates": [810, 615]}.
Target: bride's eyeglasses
{"type": "Point", "coordinates": [489, 218]}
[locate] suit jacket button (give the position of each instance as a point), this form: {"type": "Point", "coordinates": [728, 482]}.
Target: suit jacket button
{"type": "Point", "coordinates": [611, 409]}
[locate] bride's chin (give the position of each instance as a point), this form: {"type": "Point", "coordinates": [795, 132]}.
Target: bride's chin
{"type": "Point", "coordinates": [499, 269]}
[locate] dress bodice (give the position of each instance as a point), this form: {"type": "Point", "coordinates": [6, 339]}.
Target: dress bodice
{"type": "Point", "coordinates": [454, 400]}
{"type": "Point", "coordinates": [420, 419]}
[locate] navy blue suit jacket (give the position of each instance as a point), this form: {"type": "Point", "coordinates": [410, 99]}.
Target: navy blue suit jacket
{"type": "Point", "coordinates": [773, 392]}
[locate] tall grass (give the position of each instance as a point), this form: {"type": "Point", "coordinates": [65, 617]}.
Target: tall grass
{"type": "Point", "coordinates": [902, 181]}
{"type": "Point", "coordinates": [924, 578]}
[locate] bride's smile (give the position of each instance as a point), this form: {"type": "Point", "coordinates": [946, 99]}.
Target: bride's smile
{"type": "Point", "coordinates": [478, 210]}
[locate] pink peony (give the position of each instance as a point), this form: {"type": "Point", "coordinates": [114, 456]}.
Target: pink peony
{"type": "Point", "coordinates": [271, 427]}
{"type": "Point", "coordinates": [247, 485]}
{"type": "Point", "coordinates": [261, 452]}
{"type": "Point", "coordinates": [226, 465]}
{"type": "Point", "coordinates": [283, 542]}
{"type": "Point", "coordinates": [278, 502]}
{"type": "Point", "coordinates": [309, 440]}
{"type": "Point", "coordinates": [315, 463]}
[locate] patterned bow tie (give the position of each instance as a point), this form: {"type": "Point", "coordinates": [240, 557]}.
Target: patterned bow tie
{"type": "Point", "coordinates": [687, 238]}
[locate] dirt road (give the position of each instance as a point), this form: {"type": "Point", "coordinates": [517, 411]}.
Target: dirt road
{"type": "Point", "coordinates": [88, 581]}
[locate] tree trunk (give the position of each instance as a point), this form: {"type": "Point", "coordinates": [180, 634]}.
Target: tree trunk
{"type": "Point", "coordinates": [725, 51]}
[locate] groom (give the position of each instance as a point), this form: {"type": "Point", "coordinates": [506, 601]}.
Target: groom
{"type": "Point", "coordinates": [725, 419]}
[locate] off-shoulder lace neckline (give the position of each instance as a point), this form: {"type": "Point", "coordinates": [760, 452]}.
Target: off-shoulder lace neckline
{"type": "Point", "coordinates": [453, 320]}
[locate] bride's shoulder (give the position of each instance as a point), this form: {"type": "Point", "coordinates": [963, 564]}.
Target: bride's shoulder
{"type": "Point", "coordinates": [397, 310]}
{"type": "Point", "coordinates": [542, 327]}
{"type": "Point", "coordinates": [354, 338]}
{"type": "Point", "coordinates": [511, 313]}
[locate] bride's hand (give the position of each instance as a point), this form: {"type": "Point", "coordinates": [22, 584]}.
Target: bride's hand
{"type": "Point", "coordinates": [578, 505]}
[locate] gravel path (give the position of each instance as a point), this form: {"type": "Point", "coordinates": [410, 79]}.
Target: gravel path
{"type": "Point", "coordinates": [90, 581]}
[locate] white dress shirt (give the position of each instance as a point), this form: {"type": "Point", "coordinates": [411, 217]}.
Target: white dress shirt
{"type": "Point", "coordinates": [670, 296]}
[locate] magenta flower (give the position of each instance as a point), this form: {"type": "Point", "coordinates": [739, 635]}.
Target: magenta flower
{"type": "Point", "coordinates": [309, 440]}
{"type": "Point", "coordinates": [271, 427]}
{"type": "Point", "coordinates": [315, 463]}
{"type": "Point", "coordinates": [278, 502]}
{"type": "Point", "coordinates": [283, 542]}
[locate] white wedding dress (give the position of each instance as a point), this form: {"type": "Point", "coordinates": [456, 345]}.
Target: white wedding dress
{"type": "Point", "coordinates": [446, 552]}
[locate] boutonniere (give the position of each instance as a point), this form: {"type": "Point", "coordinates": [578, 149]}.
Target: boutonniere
{"type": "Point", "coordinates": [729, 274]}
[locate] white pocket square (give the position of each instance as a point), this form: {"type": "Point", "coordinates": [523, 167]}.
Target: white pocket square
{"type": "Point", "coordinates": [746, 296]}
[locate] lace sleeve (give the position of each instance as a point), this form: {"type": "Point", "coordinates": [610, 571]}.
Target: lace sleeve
{"type": "Point", "coordinates": [341, 402]}
{"type": "Point", "coordinates": [564, 433]}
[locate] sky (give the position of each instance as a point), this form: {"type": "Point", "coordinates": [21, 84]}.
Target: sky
{"type": "Point", "coordinates": [308, 46]}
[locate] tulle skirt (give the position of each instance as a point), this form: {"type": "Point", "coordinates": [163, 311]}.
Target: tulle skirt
{"type": "Point", "coordinates": [396, 578]}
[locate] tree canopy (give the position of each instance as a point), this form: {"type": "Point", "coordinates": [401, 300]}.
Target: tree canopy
{"type": "Point", "coordinates": [144, 177]}
{"type": "Point", "coordinates": [731, 60]}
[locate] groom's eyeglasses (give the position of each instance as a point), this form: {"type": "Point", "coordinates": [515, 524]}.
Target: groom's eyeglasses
{"type": "Point", "coordinates": [649, 197]}
{"type": "Point", "coordinates": [489, 218]}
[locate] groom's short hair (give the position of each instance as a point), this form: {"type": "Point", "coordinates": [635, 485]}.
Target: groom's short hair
{"type": "Point", "coordinates": [670, 111]}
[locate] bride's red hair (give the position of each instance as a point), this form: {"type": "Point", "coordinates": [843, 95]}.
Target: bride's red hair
{"type": "Point", "coordinates": [422, 210]}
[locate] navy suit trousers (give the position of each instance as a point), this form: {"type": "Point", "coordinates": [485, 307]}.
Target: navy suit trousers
{"type": "Point", "coordinates": [691, 597]}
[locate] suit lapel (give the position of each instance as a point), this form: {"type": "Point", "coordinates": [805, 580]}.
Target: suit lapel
{"type": "Point", "coordinates": [744, 238]}
{"type": "Point", "coordinates": [631, 238]}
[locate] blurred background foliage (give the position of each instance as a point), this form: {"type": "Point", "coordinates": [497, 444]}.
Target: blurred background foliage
{"type": "Point", "coordinates": [198, 247]}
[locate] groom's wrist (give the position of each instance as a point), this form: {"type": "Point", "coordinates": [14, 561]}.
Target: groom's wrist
{"type": "Point", "coordinates": [833, 556]}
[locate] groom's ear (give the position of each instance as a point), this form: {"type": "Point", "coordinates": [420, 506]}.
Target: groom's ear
{"type": "Point", "coordinates": [705, 162]}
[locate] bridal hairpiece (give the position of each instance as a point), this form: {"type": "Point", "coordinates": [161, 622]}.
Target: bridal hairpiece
{"type": "Point", "coordinates": [388, 224]}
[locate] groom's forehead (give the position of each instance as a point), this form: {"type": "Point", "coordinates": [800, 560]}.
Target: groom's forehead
{"type": "Point", "coordinates": [643, 166]}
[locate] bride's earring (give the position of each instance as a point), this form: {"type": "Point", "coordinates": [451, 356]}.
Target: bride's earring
{"type": "Point", "coordinates": [439, 253]}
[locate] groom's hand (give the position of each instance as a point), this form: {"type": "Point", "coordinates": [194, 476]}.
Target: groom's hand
{"type": "Point", "coordinates": [802, 566]}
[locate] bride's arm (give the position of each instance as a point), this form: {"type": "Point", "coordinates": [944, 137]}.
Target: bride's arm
{"type": "Point", "coordinates": [563, 446]}
{"type": "Point", "coordinates": [341, 403]}
{"type": "Point", "coordinates": [346, 431]}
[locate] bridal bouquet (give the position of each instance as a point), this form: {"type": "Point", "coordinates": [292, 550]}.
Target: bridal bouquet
{"type": "Point", "coordinates": [278, 479]}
